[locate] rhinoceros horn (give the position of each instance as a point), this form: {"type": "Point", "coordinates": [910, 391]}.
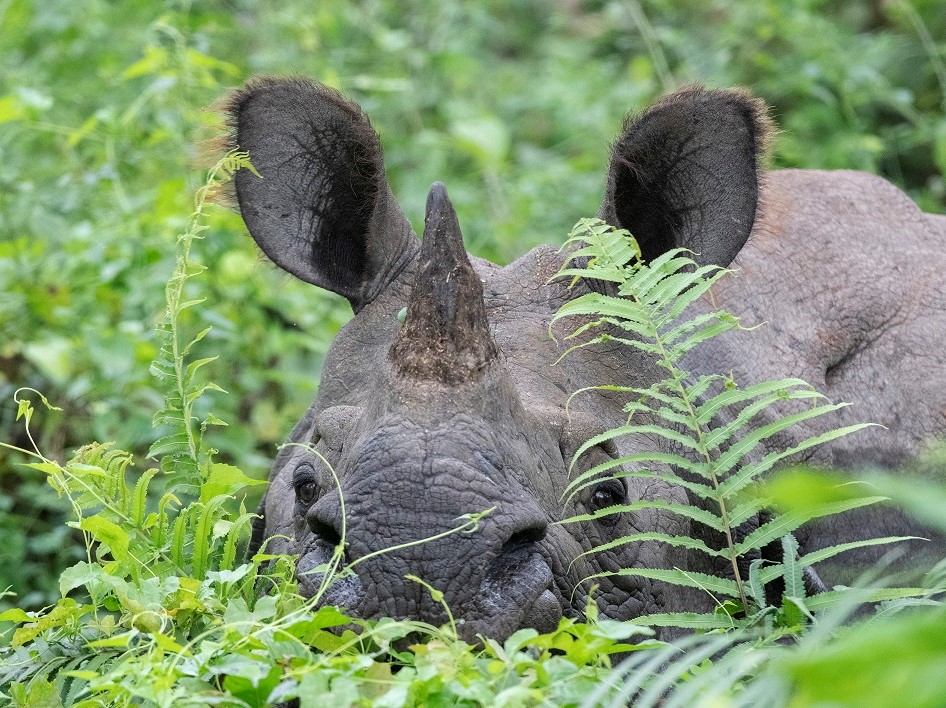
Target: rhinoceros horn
{"type": "Point", "coordinates": [445, 337]}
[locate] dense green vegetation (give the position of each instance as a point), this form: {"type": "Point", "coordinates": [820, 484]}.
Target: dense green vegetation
{"type": "Point", "coordinates": [512, 104]}
{"type": "Point", "coordinates": [169, 612]}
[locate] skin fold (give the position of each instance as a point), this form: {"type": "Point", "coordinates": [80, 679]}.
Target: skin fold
{"type": "Point", "coordinates": [460, 409]}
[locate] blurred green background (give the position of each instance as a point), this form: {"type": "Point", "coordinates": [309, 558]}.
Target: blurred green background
{"type": "Point", "coordinates": [512, 103]}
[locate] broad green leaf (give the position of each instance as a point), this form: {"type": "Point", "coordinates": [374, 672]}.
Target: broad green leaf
{"type": "Point", "coordinates": [15, 615]}
{"type": "Point", "coordinates": [108, 533]}
{"type": "Point", "coordinates": [225, 480]}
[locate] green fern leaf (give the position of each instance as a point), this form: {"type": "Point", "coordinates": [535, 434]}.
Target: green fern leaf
{"type": "Point", "coordinates": [736, 482]}
{"type": "Point", "coordinates": [717, 437]}
{"type": "Point", "coordinates": [707, 518]}
{"type": "Point", "coordinates": [786, 523]}
{"type": "Point", "coordinates": [687, 620]}
{"type": "Point", "coordinates": [767, 575]}
{"type": "Point", "coordinates": [833, 598]}
{"type": "Point", "coordinates": [745, 445]}
{"type": "Point", "coordinates": [676, 541]}
{"type": "Point", "coordinates": [684, 578]}
{"type": "Point", "coordinates": [712, 406]}
{"type": "Point", "coordinates": [794, 571]}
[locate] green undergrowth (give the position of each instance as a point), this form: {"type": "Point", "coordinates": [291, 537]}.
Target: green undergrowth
{"type": "Point", "coordinates": [166, 609]}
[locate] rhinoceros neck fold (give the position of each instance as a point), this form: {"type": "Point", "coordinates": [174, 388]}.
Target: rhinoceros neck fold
{"type": "Point", "coordinates": [445, 337]}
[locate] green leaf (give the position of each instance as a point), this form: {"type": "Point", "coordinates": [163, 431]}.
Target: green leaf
{"type": "Point", "coordinates": [687, 620]}
{"type": "Point", "coordinates": [788, 522]}
{"type": "Point", "coordinates": [676, 541]}
{"type": "Point", "coordinates": [717, 437]}
{"type": "Point", "coordinates": [827, 600]}
{"type": "Point", "coordinates": [176, 444]}
{"type": "Point", "coordinates": [748, 443]}
{"type": "Point", "coordinates": [120, 641]}
{"type": "Point", "coordinates": [108, 533]}
{"type": "Point", "coordinates": [194, 366]}
{"type": "Point", "coordinates": [254, 684]}
{"type": "Point", "coordinates": [691, 512]}
{"type": "Point", "coordinates": [15, 615]}
{"type": "Point", "coordinates": [794, 571]}
{"type": "Point", "coordinates": [11, 109]}
{"type": "Point", "coordinates": [226, 480]}
{"type": "Point", "coordinates": [78, 575]}
{"type": "Point", "coordinates": [738, 480]}
{"type": "Point", "coordinates": [596, 474]}
{"type": "Point", "coordinates": [709, 408]}
{"type": "Point", "coordinates": [766, 575]}
{"type": "Point", "coordinates": [683, 578]}
{"type": "Point", "coordinates": [140, 497]}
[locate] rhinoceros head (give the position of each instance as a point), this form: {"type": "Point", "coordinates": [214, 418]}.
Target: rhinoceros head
{"type": "Point", "coordinates": [460, 408]}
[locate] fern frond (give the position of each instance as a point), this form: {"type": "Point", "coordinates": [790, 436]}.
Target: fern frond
{"type": "Point", "coordinates": [717, 437]}
{"type": "Point", "coordinates": [747, 444]}
{"type": "Point", "coordinates": [788, 522]}
{"type": "Point", "coordinates": [594, 476]}
{"type": "Point", "coordinates": [767, 575]}
{"type": "Point", "coordinates": [696, 390]}
{"type": "Point", "coordinates": [708, 410]}
{"type": "Point", "coordinates": [833, 598]}
{"type": "Point", "coordinates": [684, 578]}
{"type": "Point", "coordinates": [668, 434]}
{"type": "Point", "coordinates": [737, 481]}
{"type": "Point", "coordinates": [694, 544]}
{"type": "Point", "coordinates": [707, 518]}
{"type": "Point", "coordinates": [794, 571]}
{"type": "Point", "coordinates": [747, 508]}
{"type": "Point", "coordinates": [714, 431]}
{"type": "Point", "coordinates": [687, 620]}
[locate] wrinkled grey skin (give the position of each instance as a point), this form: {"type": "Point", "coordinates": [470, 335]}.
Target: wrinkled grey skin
{"type": "Point", "coordinates": [461, 409]}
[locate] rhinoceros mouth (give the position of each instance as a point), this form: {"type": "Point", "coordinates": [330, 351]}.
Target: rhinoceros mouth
{"type": "Point", "coordinates": [517, 591]}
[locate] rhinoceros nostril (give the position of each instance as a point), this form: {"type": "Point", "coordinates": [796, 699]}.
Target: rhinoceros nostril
{"type": "Point", "coordinates": [325, 532]}
{"type": "Point", "coordinates": [324, 524]}
{"type": "Point", "coordinates": [525, 536]}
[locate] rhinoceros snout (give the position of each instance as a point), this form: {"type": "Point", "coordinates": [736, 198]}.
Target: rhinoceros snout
{"type": "Point", "coordinates": [495, 579]}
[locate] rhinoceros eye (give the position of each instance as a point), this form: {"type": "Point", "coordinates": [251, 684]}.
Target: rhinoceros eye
{"type": "Point", "coordinates": [605, 495]}
{"type": "Point", "coordinates": [304, 484]}
{"type": "Point", "coordinates": [306, 492]}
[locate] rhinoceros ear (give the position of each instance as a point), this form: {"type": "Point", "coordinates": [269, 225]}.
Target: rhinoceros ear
{"type": "Point", "coordinates": [322, 208]}
{"type": "Point", "coordinates": [686, 173]}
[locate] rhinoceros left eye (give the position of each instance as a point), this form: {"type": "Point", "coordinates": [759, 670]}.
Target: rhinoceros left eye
{"type": "Point", "coordinates": [605, 495]}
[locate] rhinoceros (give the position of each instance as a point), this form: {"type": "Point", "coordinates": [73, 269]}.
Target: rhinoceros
{"type": "Point", "coordinates": [461, 407]}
